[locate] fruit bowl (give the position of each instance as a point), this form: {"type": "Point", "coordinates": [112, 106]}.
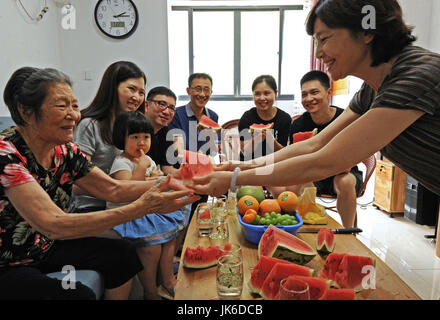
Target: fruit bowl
{"type": "Point", "coordinates": [253, 232]}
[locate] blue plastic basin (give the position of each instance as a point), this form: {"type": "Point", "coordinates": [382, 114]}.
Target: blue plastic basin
{"type": "Point", "coordinates": [253, 232]}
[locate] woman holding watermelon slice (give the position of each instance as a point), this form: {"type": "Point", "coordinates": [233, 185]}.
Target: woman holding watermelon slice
{"type": "Point", "coordinates": [397, 110]}
{"type": "Point", "coordinates": [271, 124]}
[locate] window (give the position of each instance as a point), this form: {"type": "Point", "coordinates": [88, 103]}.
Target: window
{"type": "Point", "coordinates": [236, 43]}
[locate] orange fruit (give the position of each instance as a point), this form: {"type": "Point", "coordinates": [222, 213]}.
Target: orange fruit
{"type": "Point", "coordinates": [288, 201]}
{"type": "Point", "coordinates": [249, 218]}
{"type": "Point", "coordinates": [247, 202]}
{"type": "Point", "coordinates": [251, 211]}
{"type": "Point", "coordinates": [269, 205]}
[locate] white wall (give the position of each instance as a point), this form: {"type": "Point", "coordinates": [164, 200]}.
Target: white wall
{"type": "Point", "coordinates": [47, 44]}
{"type": "Point", "coordinates": [24, 43]}
{"type": "Point", "coordinates": [434, 39]}
{"type": "Point", "coordinates": [87, 49]}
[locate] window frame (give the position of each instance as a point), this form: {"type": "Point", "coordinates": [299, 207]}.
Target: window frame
{"type": "Point", "coordinates": [237, 45]}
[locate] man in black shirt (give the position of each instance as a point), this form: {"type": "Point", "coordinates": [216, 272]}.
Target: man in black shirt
{"type": "Point", "coordinates": [315, 92]}
{"type": "Point", "coordinates": [159, 109]}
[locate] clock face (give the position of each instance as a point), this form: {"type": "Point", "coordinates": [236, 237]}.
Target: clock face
{"type": "Point", "coordinates": [116, 18]}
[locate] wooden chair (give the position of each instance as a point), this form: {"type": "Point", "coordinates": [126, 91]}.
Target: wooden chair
{"type": "Point", "coordinates": [370, 165]}
{"type": "Point", "coordinates": [230, 140]}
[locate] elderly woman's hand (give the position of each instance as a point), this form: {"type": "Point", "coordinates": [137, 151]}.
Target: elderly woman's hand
{"type": "Point", "coordinates": [156, 200]}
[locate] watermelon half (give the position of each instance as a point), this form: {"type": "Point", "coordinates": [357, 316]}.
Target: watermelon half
{"type": "Point", "coordinates": [325, 241]}
{"type": "Point", "coordinates": [317, 286]}
{"type": "Point", "coordinates": [195, 164]}
{"type": "Point", "coordinates": [208, 123]}
{"type": "Point", "coordinates": [280, 244]}
{"type": "Point", "coordinates": [339, 294]}
{"type": "Point", "coordinates": [271, 285]}
{"type": "Point", "coordinates": [201, 257]}
{"type": "Point", "coordinates": [260, 272]}
{"type": "Point", "coordinates": [260, 127]}
{"type": "Point", "coordinates": [301, 136]}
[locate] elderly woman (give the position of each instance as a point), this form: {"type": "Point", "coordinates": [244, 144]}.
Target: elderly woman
{"type": "Point", "coordinates": [38, 166]}
{"type": "Point", "coordinates": [397, 110]}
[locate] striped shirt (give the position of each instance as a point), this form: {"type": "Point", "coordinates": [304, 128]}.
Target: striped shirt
{"type": "Point", "coordinates": [413, 83]}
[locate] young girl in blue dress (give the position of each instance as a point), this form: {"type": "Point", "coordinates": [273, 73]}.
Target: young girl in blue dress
{"type": "Point", "coordinates": [153, 235]}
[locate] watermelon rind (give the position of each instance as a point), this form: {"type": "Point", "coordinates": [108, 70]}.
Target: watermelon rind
{"type": "Point", "coordinates": [201, 257]}
{"type": "Point", "coordinates": [287, 246]}
{"type": "Point", "coordinates": [260, 127]}
{"type": "Point", "coordinates": [208, 123]}
{"type": "Point", "coordinates": [325, 241]}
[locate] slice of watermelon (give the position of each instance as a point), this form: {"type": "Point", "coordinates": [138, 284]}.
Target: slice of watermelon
{"type": "Point", "coordinates": [201, 257]}
{"type": "Point", "coordinates": [331, 265]}
{"type": "Point", "coordinates": [260, 272]}
{"type": "Point", "coordinates": [195, 164]}
{"type": "Point", "coordinates": [271, 285]}
{"type": "Point", "coordinates": [317, 286]}
{"type": "Point", "coordinates": [260, 127]}
{"type": "Point", "coordinates": [325, 241]}
{"type": "Point", "coordinates": [301, 136]}
{"type": "Point", "coordinates": [280, 244]}
{"type": "Point", "coordinates": [208, 123]}
{"type": "Point", "coordinates": [349, 274]}
{"type": "Point", "coordinates": [205, 214]}
{"type": "Point", "coordinates": [339, 294]}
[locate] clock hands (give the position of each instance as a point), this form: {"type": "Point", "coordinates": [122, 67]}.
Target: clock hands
{"type": "Point", "coordinates": [121, 15]}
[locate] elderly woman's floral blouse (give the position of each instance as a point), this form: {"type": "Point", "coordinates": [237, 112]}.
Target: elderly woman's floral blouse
{"type": "Point", "coordinates": [20, 244]}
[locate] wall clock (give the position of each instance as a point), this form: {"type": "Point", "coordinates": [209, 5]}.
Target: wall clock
{"type": "Point", "coordinates": [116, 18]}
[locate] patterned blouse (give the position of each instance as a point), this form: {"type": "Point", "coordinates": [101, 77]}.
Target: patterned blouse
{"type": "Point", "coordinates": [20, 244]}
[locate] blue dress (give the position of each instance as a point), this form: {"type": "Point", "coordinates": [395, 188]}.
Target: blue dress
{"type": "Point", "coordinates": [153, 228]}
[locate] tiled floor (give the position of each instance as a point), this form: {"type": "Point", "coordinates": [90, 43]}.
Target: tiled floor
{"type": "Point", "coordinates": [401, 244]}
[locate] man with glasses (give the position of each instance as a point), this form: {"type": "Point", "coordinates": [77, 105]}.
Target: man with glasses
{"type": "Point", "coordinates": [159, 109]}
{"type": "Point", "coordinates": [187, 119]}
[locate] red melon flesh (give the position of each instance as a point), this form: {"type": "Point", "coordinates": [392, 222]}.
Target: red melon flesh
{"type": "Point", "coordinates": [339, 294]}
{"type": "Point", "coordinates": [325, 241]}
{"type": "Point", "coordinates": [205, 215]}
{"type": "Point", "coordinates": [331, 265]}
{"type": "Point", "coordinates": [260, 127]}
{"type": "Point", "coordinates": [280, 244]}
{"type": "Point", "coordinates": [208, 123]}
{"type": "Point", "coordinates": [201, 257]}
{"type": "Point", "coordinates": [260, 272]}
{"type": "Point", "coordinates": [271, 285]}
{"type": "Point", "coordinates": [317, 286]}
{"type": "Point", "coordinates": [349, 274]}
{"type": "Point", "coordinates": [195, 164]}
{"type": "Point", "coordinates": [301, 136]}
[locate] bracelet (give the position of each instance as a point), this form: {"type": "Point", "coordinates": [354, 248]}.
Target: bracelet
{"type": "Point", "coordinates": [232, 187]}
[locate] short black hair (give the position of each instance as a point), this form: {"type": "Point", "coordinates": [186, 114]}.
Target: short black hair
{"type": "Point", "coordinates": [199, 75]}
{"type": "Point", "coordinates": [160, 91]}
{"type": "Point", "coordinates": [322, 77]}
{"type": "Point", "coordinates": [127, 123]}
{"type": "Point", "coordinates": [265, 78]}
{"type": "Point", "coordinates": [391, 34]}
{"type": "Point", "coordinates": [27, 88]}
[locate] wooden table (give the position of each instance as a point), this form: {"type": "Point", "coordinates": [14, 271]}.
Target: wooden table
{"type": "Point", "coordinates": [200, 284]}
